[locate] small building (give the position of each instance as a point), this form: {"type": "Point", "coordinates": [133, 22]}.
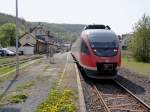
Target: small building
{"type": "Point", "coordinates": [36, 40]}
{"type": "Point", "coordinates": [125, 40]}
{"type": "Point", "coordinates": [29, 41]}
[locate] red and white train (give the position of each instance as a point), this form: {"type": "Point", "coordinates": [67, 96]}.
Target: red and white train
{"type": "Point", "coordinates": [97, 51]}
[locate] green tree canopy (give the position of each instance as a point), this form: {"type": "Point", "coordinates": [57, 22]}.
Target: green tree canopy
{"type": "Point", "coordinates": [7, 34]}
{"type": "Point", "coordinates": [140, 43]}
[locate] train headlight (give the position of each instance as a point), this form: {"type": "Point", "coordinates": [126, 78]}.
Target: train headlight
{"type": "Point", "coordinates": [115, 50]}
{"type": "Point", "coordinates": [95, 50]}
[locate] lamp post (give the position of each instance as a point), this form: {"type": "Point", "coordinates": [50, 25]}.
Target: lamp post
{"type": "Point", "coordinates": [17, 56]}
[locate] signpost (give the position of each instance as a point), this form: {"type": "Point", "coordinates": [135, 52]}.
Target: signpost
{"type": "Point", "coordinates": [17, 56]}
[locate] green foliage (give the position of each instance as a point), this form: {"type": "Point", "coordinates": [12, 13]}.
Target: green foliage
{"type": "Point", "coordinates": [7, 29]}
{"type": "Point", "coordinates": [7, 34]}
{"type": "Point", "coordinates": [58, 101]}
{"type": "Point", "coordinates": [140, 43]}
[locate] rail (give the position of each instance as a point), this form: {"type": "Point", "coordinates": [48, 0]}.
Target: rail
{"type": "Point", "coordinates": [12, 63]}
{"type": "Point", "coordinates": [128, 101]}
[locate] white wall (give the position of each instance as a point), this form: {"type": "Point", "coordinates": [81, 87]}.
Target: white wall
{"type": "Point", "coordinates": [28, 50]}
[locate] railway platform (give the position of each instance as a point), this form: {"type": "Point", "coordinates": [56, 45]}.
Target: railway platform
{"type": "Point", "coordinates": [37, 80]}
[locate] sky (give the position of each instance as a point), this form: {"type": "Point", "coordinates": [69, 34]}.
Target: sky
{"type": "Point", "coordinates": [120, 15]}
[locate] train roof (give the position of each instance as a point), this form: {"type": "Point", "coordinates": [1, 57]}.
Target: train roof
{"type": "Point", "coordinates": [97, 26]}
{"type": "Point", "coordinates": [99, 32]}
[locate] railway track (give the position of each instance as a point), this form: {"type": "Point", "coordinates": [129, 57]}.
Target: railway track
{"type": "Point", "coordinates": [119, 99]}
{"type": "Point", "coordinates": [110, 96]}
{"type": "Point", "coordinates": [13, 63]}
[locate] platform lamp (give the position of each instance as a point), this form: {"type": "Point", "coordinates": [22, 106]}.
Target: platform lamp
{"type": "Point", "coordinates": [17, 43]}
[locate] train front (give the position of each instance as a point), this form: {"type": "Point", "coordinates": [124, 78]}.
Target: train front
{"type": "Point", "coordinates": [104, 53]}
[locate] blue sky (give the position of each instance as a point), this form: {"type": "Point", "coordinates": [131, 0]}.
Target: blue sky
{"type": "Point", "coordinates": [119, 14]}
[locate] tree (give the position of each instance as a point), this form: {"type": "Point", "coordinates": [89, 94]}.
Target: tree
{"type": "Point", "coordinates": [7, 34]}
{"type": "Point", "coordinates": [140, 44]}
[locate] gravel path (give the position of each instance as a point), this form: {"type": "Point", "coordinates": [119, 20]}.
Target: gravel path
{"type": "Point", "coordinates": [43, 74]}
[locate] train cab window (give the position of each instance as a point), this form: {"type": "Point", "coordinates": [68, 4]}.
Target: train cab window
{"type": "Point", "coordinates": [84, 48]}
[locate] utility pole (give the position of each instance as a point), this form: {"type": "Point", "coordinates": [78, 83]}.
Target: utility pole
{"type": "Point", "coordinates": [17, 56]}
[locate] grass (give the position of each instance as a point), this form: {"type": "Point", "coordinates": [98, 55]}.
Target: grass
{"type": "Point", "coordinates": [140, 67]}
{"type": "Point", "coordinates": [13, 59]}
{"type": "Point", "coordinates": [4, 70]}
{"type": "Point", "coordinates": [18, 96]}
{"type": "Point", "coordinates": [14, 98]}
{"type": "Point", "coordinates": [9, 59]}
{"type": "Point", "coordinates": [58, 101]}
{"type": "Point", "coordinates": [25, 85]}
{"type": "Point", "coordinates": [7, 69]}
{"type": "Point", "coordinates": [5, 59]}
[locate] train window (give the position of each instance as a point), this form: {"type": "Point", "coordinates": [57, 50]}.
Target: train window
{"type": "Point", "coordinates": [84, 48]}
{"type": "Point", "coordinates": [104, 45]}
{"type": "Point", "coordinates": [102, 37]}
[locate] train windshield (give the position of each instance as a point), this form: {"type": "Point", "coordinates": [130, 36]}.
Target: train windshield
{"type": "Point", "coordinates": [104, 45]}
{"type": "Point", "coordinates": [103, 41]}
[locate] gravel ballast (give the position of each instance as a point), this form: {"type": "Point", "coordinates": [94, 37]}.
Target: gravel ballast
{"type": "Point", "coordinates": [138, 84]}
